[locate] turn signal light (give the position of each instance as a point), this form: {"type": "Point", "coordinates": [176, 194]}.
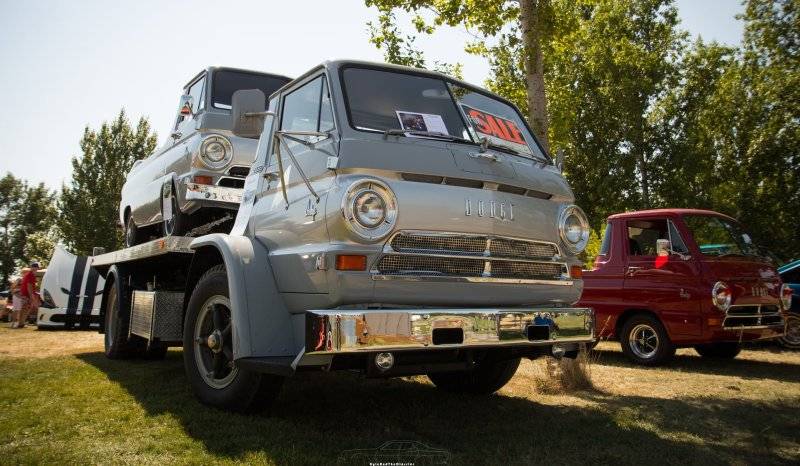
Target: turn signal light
{"type": "Point", "coordinates": [576, 271]}
{"type": "Point", "coordinates": [203, 180]}
{"type": "Point", "coordinates": [351, 262]}
{"type": "Point", "coordinates": [714, 322]}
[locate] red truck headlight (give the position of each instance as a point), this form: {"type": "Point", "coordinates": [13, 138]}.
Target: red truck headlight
{"type": "Point", "coordinates": [786, 297]}
{"type": "Point", "coordinates": [721, 296]}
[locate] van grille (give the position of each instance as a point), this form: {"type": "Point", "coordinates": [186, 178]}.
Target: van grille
{"type": "Point", "coordinates": [424, 254]}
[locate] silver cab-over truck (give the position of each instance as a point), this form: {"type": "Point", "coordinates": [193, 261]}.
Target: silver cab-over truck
{"type": "Point", "coordinates": [198, 174]}
{"type": "Point", "coordinates": [395, 221]}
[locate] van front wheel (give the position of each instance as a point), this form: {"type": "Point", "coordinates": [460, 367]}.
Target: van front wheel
{"type": "Point", "coordinates": [208, 351]}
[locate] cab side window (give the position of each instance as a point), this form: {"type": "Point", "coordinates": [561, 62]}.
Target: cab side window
{"type": "Point", "coordinates": [197, 91]}
{"type": "Point", "coordinates": [605, 246]}
{"type": "Point", "coordinates": [301, 108]}
{"type": "Point", "coordinates": [643, 234]}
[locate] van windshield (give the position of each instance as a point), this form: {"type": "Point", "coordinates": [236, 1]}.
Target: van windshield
{"type": "Point", "coordinates": [226, 82]}
{"type": "Point", "coordinates": [716, 236]}
{"type": "Point", "coordinates": [381, 100]}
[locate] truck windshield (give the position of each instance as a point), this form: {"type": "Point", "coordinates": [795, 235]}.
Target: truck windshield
{"type": "Point", "coordinates": [226, 82]}
{"type": "Point", "coordinates": [716, 236]}
{"type": "Point", "coordinates": [382, 100]}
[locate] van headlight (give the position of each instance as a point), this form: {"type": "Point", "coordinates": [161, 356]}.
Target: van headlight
{"type": "Point", "coordinates": [574, 228]}
{"type": "Point", "coordinates": [370, 209]}
{"type": "Point", "coordinates": [216, 152]}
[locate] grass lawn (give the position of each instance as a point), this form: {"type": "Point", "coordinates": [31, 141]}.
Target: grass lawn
{"type": "Point", "coordinates": [62, 401]}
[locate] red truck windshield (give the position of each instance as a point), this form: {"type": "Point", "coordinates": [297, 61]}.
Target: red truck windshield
{"type": "Point", "coordinates": [716, 236]}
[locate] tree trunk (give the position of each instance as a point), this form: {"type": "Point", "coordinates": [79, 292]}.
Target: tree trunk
{"type": "Point", "coordinates": [529, 19]}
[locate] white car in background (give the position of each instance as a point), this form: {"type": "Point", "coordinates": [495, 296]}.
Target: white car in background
{"type": "Point", "coordinates": [71, 292]}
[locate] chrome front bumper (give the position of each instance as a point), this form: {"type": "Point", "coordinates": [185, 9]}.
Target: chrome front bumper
{"type": "Point", "coordinates": [346, 331]}
{"type": "Point", "coordinates": [212, 193]}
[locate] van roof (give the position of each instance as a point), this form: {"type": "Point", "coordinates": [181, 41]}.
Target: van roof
{"type": "Point", "coordinates": [669, 211]}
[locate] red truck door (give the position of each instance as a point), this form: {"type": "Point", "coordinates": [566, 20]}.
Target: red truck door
{"type": "Point", "coordinates": [666, 283]}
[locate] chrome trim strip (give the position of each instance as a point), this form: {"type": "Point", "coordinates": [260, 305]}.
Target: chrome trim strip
{"type": "Point", "coordinates": [376, 275]}
{"type": "Point", "coordinates": [543, 260]}
{"type": "Point", "coordinates": [339, 331]}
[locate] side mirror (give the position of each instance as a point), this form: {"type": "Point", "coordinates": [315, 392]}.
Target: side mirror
{"type": "Point", "coordinates": [560, 160]}
{"type": "Point", "coordinates": [663, 247]}
{"type": "Point", "coordinates": [186, 104]}
{"type": "Point", "coordinates": [247, 109]}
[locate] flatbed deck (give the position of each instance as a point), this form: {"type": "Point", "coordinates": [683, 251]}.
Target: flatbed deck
{"type": "Point", "coordinates": [154, 248]}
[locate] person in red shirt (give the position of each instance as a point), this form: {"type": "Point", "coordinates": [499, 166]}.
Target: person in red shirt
{"type": "Point", "coordinates": [30, 297]}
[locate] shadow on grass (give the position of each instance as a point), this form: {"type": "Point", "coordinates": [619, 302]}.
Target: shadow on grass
{"type": "Point", "coordinates": [319, 415]}
{"type": "Point", "coordinates": [744, 368]}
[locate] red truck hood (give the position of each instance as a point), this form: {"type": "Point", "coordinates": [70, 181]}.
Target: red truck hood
{"type": "Point", "coordinates": [752, 281]}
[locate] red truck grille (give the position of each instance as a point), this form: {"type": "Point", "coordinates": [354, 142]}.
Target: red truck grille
{"type": "Point", "coordinates": [750, 316]}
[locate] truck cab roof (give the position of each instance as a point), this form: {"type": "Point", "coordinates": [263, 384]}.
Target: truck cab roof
{"type": "Point", "coordinates": [666, 212]}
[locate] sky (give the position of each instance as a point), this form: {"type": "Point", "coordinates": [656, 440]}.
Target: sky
{"type": "Point", "coordinates": [68, 64]}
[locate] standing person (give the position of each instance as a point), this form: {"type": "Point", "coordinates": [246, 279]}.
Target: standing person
{"type": "Point", "coordinates": [29, 294]}
{"type": "Point", "coordinates": [16, 299]}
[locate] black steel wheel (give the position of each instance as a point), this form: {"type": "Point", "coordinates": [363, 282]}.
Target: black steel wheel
{"type": "Point", "coordinates": [116, 342]}
{"type": "Point", "coordinates": [485, 379]}
{"type": "Point", "coordinates": [208, 333]}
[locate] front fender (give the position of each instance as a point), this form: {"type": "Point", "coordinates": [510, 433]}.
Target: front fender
{"type": "Point", "coordinates": [262, 325]}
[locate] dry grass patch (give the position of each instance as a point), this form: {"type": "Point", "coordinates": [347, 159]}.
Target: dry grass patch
{"type": "Point", "coordinates": [558, 376]}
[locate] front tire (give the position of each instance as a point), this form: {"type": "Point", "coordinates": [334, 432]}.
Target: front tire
{"type": "Point", "coordinates": [132, 234]}
{"type": "Point", "coordinates": [645, 341]}
{"type": "Point", "coordinates": [178, 223]}
{"type": "Point", "coordinates": [791, 339]}
{"type": "Point", "coordinates": [485, 379]}
{"type": "Point", "coordinates": [721, 350]}
{"type": "Point", "coordinates": [208, 351]}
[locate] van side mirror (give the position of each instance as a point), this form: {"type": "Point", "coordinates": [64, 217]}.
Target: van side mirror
{"type": "Point", "coordinates": [247, 109]}
{"type": "Point", "coordinates": [186, 105]}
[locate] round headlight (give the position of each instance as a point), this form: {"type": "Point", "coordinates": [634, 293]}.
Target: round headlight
{"type": "Point", "coordinates": [216, 152]}
{"type": "Point", "coordinates": [574, 228]}
{"type": "Point", "coordinates": [786, 296]}
{"type": "Point", "coordinates": [721, 296]}
{"type": "Point", "coordinates": [370, 209]}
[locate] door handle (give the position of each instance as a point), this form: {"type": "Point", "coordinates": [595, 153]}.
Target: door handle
{"type": "Point", "coordinates": [484, 155]}
{"type": "Point", "coordinates": [271, 176]}
{"type": "Point", "coordinates": [176, 135]}
{"type": "Point", "coordinates": [633, 270]}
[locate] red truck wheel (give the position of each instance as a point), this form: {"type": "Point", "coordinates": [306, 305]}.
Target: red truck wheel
{"type": "Point", "coordinates": [721, 350]}
{"type": "Point", "coordinates": [645, 341]}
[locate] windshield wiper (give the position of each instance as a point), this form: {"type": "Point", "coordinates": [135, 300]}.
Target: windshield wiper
{"type": "Point", "coordinates": [427, 134]}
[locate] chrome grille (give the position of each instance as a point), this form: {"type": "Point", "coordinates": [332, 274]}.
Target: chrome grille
{"type": "Point", "coordinates": [430, 265]}
{"type": "Point", "coordinates": [430, 254]}
{"type": "Point", "coordinates": [502, 247]}
{"type": "Point", "coordinates": [752, 316]}
{"type": "Point", "coordinates": [461, 245]}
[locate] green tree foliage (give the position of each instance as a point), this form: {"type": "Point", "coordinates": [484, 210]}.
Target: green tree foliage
{"type": "Point", "coordinates": [27, 233]}
{"type": "Point", "coordinates": [88, 207]}
{"type": "Point", "coordinates": [646, 119]}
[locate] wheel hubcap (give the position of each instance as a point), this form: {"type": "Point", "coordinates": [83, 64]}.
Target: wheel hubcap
{"type": "Point", "coordinates": [793, 330]}
{"type": "Point", "coordinates": [643, 341]}
{"type": "Point", "coordinates": [213, 343]}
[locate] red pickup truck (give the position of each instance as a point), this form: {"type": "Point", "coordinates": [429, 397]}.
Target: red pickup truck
{"type": "Point", "coordinates": [672, 278]}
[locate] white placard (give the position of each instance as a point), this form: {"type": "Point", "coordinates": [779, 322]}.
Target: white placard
{"type": "Point", "coordinates": [415, 121]}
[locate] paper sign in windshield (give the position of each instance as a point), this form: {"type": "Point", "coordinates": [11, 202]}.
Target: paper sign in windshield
{"type": "Point", "coordinates": [497, 129]}
{"type": "Point", "coordinates": [428, 122]}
